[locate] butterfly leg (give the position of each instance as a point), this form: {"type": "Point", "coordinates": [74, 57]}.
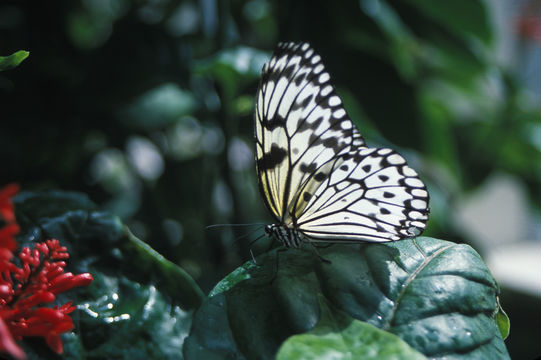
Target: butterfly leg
{"type": "Point", "coordinates": [277, 260]}
{"type": "Point", "coordinates": [250, 246]}
{"type": "Point", "coordinates": [253, 258]}
{"type": "Point", "coordinates": [318, 254]}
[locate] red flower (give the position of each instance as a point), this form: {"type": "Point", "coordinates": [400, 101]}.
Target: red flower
{"type": "Point", "coordinates": [6, 206]}
{"type": "Point", "coordinates": [8, 232]}
{"type": "Point", "coordinates": [37, 281]}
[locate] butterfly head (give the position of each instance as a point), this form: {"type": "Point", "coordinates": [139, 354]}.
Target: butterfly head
{"type": "Point", "coordinates": [289, 237]}
{"type": "Point", "coordinates": [268, 230]}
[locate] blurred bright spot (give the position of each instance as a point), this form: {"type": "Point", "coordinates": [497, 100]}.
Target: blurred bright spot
{"type": "Point", "coordinates": [244, 60]}
{"type": "Point", "coordinates": [188, 139]}
{"type": "Point", "coordinates": [371, 7]}
{"type": "Point", "coordinates": [86, 33]}
{"type": "Point", "coordinates": [92, 26]}
{"type": "Point", "coordinates": [533, 133]}
{"type": "Point", "coordinates": [495, 214]}
{"type": "Point", "coordinates": [209, 9]}
{"type": "Point", "coordinates": [256, 9]}
{"type": "Point", "coordinates": [184, 138]}
{"type": "Point", "coordinates": [244, 105]}
{"type": "Point", "coordinates": [222, 199]}
{"type": "Point", "coordinates": [111, 170]}
{"type": "Point", "coordinates": [212, 141]}
{"type": "Point", "coordinates": [185, 20]}
{"type": "Point", "coordinates": [160, 106]}
{"type": "Point", "coordinates": [517, 266]}
{"type": "Point", "coordinates": [239, 155]}
{"type": "Point", "coordinates": [173, 230]}
{"type": "Point", "coordinates": [145, 158]}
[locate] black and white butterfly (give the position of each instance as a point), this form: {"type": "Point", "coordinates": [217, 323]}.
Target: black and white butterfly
{"type": "Point", "coordinates": [316, 174]}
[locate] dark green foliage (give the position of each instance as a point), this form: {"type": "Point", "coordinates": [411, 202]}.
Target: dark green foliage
{"type": "Point", "coordinates": [139, 304]}
{"type": "Point", "coordinates": [179, 76]}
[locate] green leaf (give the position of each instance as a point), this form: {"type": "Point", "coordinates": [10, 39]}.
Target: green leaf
{"type": "Point", "coordinates": [138, 306]}
{"type": "Point", "coordinates": [503, 322]}
{"type": "Point", "coordinates": [127, 320]}
{"type": "Point", "coordinates": [337, 335]}
{"type": "Point", "coordinates": [437, 296]}
{"type": "Point", "coordinates": [13, 60]}
{"type": "Point", "coordinates": [161, 106]}
{"type": "Point", "coordinates": [233, 67]}
{"type": "Point", "coordinates": [149, 266]}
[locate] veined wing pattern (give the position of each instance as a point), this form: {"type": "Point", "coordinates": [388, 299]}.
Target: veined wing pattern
{"type": "Point", "coordinates": [316, 174]}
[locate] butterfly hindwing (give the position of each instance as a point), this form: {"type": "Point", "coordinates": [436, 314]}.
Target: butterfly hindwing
{"type": "Point", "coordinates": [372, 195]}
{"type": "Point", "coordinates": [315, 173]}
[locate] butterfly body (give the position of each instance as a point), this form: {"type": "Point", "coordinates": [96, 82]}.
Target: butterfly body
{"type": "Point", "coordinates": [316, 174]}
{"type": "Point", "coordinates": [286, 235]}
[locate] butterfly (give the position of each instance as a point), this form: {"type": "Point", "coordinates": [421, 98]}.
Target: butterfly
{"type": "Point", "coordinates": [316, 175]}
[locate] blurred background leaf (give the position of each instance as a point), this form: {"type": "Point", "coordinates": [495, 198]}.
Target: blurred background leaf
{"type": "Point", "coordinates": [146, 106]}
{"type": "Point", "coordinates": [13, 60]}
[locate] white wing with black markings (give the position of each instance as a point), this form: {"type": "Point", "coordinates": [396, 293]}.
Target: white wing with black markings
{"type": "Point", "coordinates": [315, 172]}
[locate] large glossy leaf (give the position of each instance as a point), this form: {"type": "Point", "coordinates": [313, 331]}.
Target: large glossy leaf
{"type": "Point", "coordinates": [138, 306]}
{"type": "Point", "coordinates": [339, 335]}
{"type": "Point", "coordinates": [436, 295]}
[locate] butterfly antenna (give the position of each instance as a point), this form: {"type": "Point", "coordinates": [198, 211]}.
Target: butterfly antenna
{"type": "Point", "coordinates": [248, 234]}
{"type": "Point", "coordinates": [232, 225]}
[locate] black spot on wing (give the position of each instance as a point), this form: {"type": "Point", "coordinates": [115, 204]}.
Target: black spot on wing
{"type": "Point", "coordinates": [305, 125]}
{"type": "Point", "coordinates": [308, 168]}
{"type": "Point", "coordinates": [299, 79]}
{"type": "Point", "coordinates": [331, 143]}
{"type": "Point", "coordinates": [303, 104]}
{"type": "Point", "coordinates": [320, 176]}
{"type": "Point", "coordinates": [357, 158]}
{"type": "Point", "coordinates": [276, 121]}
{"type": "Point", "coordinates": [271, 159]}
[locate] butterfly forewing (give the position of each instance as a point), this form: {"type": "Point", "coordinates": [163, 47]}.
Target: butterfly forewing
{"type": "Point", "coordinates": [300, 127]}
{"type": "Point", "coordinates": [315, 172]}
